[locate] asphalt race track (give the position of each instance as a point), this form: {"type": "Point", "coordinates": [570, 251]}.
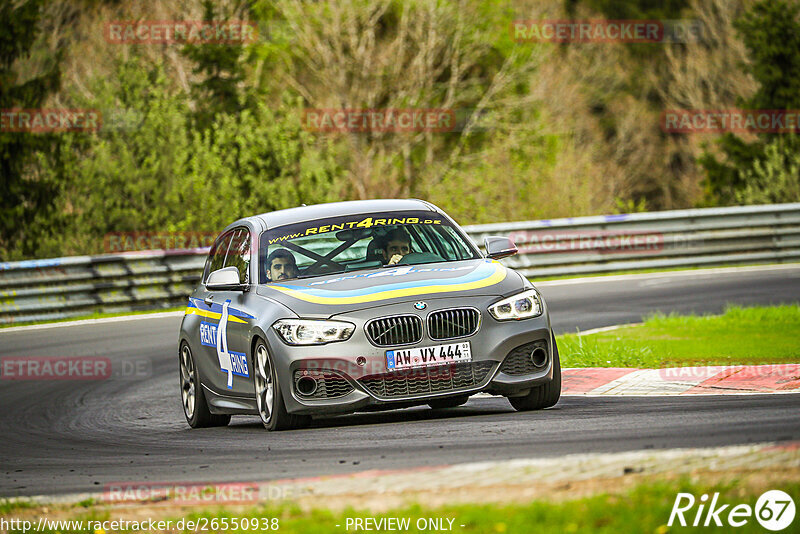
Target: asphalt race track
{"type": "Point", "coordinates": [76, 436]}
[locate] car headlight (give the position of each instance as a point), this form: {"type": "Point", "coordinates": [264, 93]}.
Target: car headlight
{"type": "Point", "coordinates": [521, 306]}
{"type": "Point", "coordinates": [311, 332]}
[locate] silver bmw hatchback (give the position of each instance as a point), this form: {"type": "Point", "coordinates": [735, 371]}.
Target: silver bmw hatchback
{"type": "Point", "coordinates": [356, 306]}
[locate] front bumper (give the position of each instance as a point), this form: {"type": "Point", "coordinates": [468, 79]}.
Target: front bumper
{"type": "Point", "coordinates": [353, 375]}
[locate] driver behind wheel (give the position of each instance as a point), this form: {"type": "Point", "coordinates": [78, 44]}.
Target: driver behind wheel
{"type": "Point", "coordinates": [281, 265]}
{"type": "Point", "coordinates": [397, 245]}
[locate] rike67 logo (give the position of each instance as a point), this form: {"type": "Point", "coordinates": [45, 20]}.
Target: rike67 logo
{"type": "Point", "coordinates": [774, 510]}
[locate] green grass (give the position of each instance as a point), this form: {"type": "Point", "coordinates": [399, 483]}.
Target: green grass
{"type": "Point", "coordinates": [8, 506]}
{"type": "Point", "coordinates": [88, 502]}
{"type": "Point", "coordinates": [644, 509]}
{"type": "Point", "coordinates": [741, 336]}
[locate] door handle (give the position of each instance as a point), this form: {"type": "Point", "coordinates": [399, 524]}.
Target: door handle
{"type": "Point", "coordinates": [209, 301]}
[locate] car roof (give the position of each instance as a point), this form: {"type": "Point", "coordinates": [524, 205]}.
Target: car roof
{"type": "Point", "coordinates": [335, 209]}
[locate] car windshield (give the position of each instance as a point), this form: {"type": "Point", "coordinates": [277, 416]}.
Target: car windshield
{"type": "Point", "coordinates": [355, 242]}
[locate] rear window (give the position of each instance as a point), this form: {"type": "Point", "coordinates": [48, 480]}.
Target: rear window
{"type": "Point", "coordinates": [357, 242]}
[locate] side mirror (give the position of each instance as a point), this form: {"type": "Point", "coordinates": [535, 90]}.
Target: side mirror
{"type": "Point", "coordinates": [499, 247]}
{"type": "Point", "coordinates": [225, 279]}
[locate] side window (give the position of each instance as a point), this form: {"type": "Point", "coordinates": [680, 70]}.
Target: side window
{"type": "Point", "coordinates": [239, 254]}
{"type": "Point", "coordinates": [216, 257]}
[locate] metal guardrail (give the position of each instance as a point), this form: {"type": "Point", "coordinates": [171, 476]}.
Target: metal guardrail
{"type": "Point", "coordinates": [67, 287]}
{"type": "Point", "coordinates": [658, 240]}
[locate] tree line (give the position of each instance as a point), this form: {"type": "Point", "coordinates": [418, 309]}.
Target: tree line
{"type": "Point", "coordinates": [194, 136]}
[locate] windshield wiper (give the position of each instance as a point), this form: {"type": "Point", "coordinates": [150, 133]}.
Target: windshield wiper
{"type": "Point", "coordinates": [303, 276]}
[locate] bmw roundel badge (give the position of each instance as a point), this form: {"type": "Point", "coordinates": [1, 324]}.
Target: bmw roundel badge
{"type": "Point", "coordinates": [420, 305]}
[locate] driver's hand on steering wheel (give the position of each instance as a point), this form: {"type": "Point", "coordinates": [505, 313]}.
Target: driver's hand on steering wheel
{"type": "Point", "coordinates": [395, 259]}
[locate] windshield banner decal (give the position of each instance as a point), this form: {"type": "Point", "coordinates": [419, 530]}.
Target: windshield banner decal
{"type": "Point", "coordinates": [353, 224]}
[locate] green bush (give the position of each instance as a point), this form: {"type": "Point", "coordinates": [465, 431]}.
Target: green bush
{"type": "Point", "coordinates": [765, 170]}
{"type": "Point", "coordinates": [154, 171]}
{"type": "Point", "coordinates": [773, 178]}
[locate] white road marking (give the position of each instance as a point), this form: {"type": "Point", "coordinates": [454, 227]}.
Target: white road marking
{"type": "Point", "coordinates": [102, 320]}
{"type": "Point", "coordinates": [605, 329]}
{"type": "Point", "coordinates": [666, 274]}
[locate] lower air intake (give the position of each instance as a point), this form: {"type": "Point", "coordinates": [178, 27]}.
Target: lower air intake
{"type": "Point", "coordinates": [420, 382]}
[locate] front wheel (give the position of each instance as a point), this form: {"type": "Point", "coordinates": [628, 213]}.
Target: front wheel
{"type": "Point", "coordinates": [269, 399]}
{"type": "Point", "coordinates": [195, 407]}
{"type": "Point", "coordinates": [543, 396]}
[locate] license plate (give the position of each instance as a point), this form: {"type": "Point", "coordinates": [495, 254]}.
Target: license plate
{"type": "Point", "coordinates": [428, 356]}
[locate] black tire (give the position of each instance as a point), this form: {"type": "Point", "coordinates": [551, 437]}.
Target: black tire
{"type": "Point", "coordinates": [543, 396]}
{"type": "Point", "coordinates": [450, 402]}
{"type": "Point", "coordinates": [193, 400]}
{"type": "Point", "coordinates": [264, 374]}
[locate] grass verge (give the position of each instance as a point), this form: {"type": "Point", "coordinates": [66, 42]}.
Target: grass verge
{"type": "Point", "coordinates": [645, 507]}
{"type": "Point", "coordinates": [740, 336]}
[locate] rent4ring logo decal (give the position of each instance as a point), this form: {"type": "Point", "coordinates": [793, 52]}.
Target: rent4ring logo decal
{"type": "Point", "coordinates": [774, 510]}
{"type": "Point", "coordinates": [350, 224]}
{"type": "Point", "coordinates": [234, 363]}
